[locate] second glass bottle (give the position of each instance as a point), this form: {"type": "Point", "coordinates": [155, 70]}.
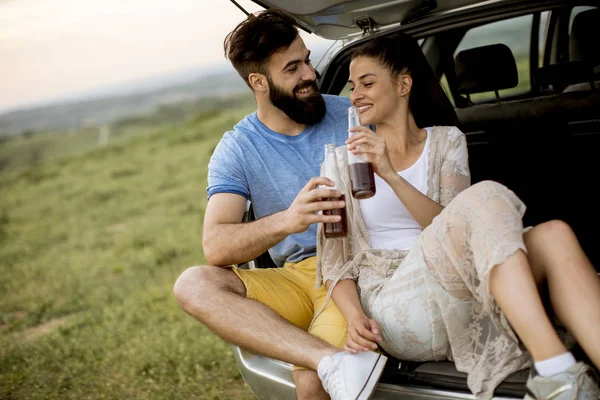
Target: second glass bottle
{"type": "Point", "coordinates": [334, 229]}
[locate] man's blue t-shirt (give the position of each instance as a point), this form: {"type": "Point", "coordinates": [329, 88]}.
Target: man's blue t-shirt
{"type": "Point", "coordinates": [270, 168]}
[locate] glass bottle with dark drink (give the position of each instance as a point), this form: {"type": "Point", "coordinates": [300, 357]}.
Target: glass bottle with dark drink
{"type": "Point", "coordinates": [334, 229]}
{"type": "Point", "coordinates": [362, 176]}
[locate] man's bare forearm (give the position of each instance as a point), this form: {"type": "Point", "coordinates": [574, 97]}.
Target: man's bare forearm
{"type": "Point", "coordinates": [227, 241]}
{"type": "Point", "coordinates": [228, 244]}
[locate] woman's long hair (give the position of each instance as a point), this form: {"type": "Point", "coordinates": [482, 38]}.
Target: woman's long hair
{"type": "Point", "coordinates": [401, 54]}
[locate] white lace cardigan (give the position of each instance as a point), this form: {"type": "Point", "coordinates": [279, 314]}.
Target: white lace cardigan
{"type": "Point", "coordinates": [448, 175]}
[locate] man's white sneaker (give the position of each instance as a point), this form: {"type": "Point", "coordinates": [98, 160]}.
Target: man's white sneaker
{"type": "Point", "coordinates": [348, 376]}
{"type": "Point", "coordinates": [576, 383]}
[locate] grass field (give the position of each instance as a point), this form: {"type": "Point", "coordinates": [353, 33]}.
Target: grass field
{"type": "Point", "coordinates": [91, 241]}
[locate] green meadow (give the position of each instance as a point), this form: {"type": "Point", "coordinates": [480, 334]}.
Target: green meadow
{"type": "Point", "coordinates": [92, 238]}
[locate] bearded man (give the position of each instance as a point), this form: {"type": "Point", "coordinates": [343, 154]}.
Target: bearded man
{"type": "Point", "coordinates": [272, 158]}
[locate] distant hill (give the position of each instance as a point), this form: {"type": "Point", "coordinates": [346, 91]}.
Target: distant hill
{"type": "Point", "coordinates": [126, 101]}
{"type": "Point", "coordinates": [75, 114]}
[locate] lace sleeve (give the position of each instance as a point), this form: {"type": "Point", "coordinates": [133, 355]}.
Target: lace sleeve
{"type": "Point", "coordinates": [455, 176]}
{"type": "Point", "coordinates": [333, 260]}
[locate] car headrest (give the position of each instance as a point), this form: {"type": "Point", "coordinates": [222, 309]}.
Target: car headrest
{"type": "Point", "coordinates": [561, 75]}
{"type": "Point", "coordinates": [584, 37]}
{"type": "Point", "coordinates": [485, 69]}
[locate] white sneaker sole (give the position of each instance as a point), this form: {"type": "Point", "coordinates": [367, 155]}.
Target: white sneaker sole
{"type": "Point", "coordinates": [368, 389]}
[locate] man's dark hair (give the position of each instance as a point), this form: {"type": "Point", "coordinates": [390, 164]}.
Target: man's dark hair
{"type": "Point", "coordinates": [253, 41]}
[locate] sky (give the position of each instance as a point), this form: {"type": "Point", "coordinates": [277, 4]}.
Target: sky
{"type": "Point", "coordinates": [52, 49]}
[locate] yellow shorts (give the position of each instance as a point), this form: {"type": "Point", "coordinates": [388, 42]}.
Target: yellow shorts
{"type": "Point", "coordinates": [291, 292]}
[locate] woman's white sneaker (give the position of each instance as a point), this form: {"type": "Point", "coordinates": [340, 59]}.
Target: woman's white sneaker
{"type": "Point", "coordinates": [576, 383]}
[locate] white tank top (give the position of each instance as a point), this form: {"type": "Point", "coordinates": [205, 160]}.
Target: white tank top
{"type": "Point", "coordinates": [389, 224]}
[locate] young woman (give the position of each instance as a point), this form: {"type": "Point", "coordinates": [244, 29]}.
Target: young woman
{"type": "Point", "coordinates": [438, 269]}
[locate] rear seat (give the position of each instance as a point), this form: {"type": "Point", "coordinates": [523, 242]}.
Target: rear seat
{"type": "Point", "coordinates": [583, 43]}
{"type": "Point", "coordinates": [582, 71]}
{"type": "Point", "coordinates": [542, 148]}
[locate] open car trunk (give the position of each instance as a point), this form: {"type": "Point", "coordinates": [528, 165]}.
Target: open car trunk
{"type": "Point", "coordinates": [338, 19]}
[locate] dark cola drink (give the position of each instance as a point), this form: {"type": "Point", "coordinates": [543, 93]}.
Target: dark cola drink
{"type": "Point", "coordinates": [340, 228]}
{"type": "Point", "coordinates": [334, 229]}
{"type": "Point", "coordinates": [363, 182]}
{"type": "Point", "coordinates": [362, 177]}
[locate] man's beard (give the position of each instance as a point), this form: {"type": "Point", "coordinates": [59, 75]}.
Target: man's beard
{"type": "Point", "coordinates": [308, 111]}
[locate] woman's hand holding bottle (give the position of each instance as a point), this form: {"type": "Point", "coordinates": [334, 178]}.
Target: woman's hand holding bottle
{"type": "Point", "coordinates": [366, 144]}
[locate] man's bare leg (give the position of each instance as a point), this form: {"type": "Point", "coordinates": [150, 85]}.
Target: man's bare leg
{"type": "Point", "coordinates": [216, 297]}
{"type": "Point", "coordinates": [308, 385]}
